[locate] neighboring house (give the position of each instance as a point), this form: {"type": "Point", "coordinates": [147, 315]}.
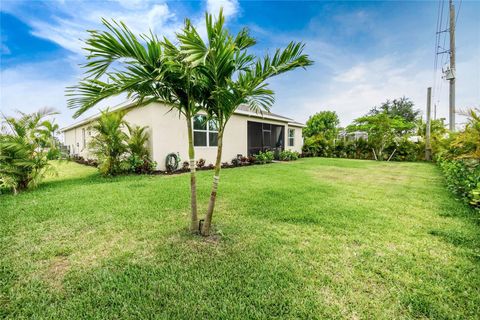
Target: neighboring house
{"type": "Point", "coordinates": [246, 133]}
{"type": "Point", "coordinates": [353, 136]}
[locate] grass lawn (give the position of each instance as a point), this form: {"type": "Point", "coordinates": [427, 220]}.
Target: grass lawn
{"type": "Point", "coordinates": [315, 238]}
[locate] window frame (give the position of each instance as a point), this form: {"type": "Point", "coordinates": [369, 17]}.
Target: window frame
{"type": "Point", "coordinates": [291, 139]}
{"type": "Point", "coordinates": [207, 131]}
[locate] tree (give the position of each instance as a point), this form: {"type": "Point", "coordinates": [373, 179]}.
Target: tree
{"type": "Point", "coordinates": [402, 107]}
{"type": "Point", "coordinates": [108, 142]}
{"type": "Point", "coordinates": [153, 71]}
{"type": "Point", "coordinates": [137, 140]}
{"type": "Point", "coordinates": [382, 129]}
{"type": "Point", "coordinates": [466, 143]}
{"type": "Point", "coordinates": [438, 132]}
{"type": "Point", "coordinates": [234, 78]}
{"type": "Point", "coordinates": [138, 157]}
{"type": "Point", "coordinates": [323, 123]}
{"type": "Point", "coordinates": [24, 144]}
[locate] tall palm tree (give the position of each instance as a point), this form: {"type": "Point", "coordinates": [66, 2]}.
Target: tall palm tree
{"type": "Point", "coordinates": [152, 71]}
{"type": "Point", "coordinates": [234, 78]}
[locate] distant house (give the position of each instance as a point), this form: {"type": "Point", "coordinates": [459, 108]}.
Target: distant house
{"type": "Point", "coordinates": [353, 136]}
{"type": "Point", "coordinates": [247, 133]}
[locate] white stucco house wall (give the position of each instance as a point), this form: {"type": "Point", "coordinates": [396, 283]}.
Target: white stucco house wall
{"type": "Point", "coordinates": [246, 133]}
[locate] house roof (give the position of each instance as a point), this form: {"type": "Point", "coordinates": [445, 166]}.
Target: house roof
{"type": "Point", "coordinates": [241, 110]}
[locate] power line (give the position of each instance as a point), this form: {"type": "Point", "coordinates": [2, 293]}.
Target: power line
{"type": "Point", "coordinates": [458, 12]}
{"type": "Point", "coordinates": [439, 32]}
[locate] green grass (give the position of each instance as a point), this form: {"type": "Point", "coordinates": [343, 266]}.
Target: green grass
{"type": "Point", "coordinates": [315, 238]}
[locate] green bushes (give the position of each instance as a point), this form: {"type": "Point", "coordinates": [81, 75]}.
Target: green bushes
{"type": "Point", "coordinates": [459, 160]}
{"type": "Point", "coordinates": [25, 144]}
{"type": "Point", "coordinates": [401, 149]}
{"type": "Point", "coordinates": [264, 157]}
{"type": "Point", "coordinates": [463, 179]}
{"type": "Point", "coordinates": [288, 155]}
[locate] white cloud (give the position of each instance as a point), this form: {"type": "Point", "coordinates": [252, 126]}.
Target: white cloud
{"type": "Point", "coordinates": [352, 90]}
{"type": "Point", "coordinates": [31, 86]}
{"type": "Point", "coordinates": [340, 80]}
{"type": "Point", "coordinates": [230, 7]}
{"type": "Point", "coordinates": [71, 20]}
{"type": "Point", "coordinates": [355, 74]}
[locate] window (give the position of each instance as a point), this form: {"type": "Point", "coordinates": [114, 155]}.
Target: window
{"type": "Point", "coordinates": [205, 133]}
{"type": "Point", "coordinates": [291, 137]}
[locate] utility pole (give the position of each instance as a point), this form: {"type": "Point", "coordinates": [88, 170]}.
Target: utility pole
{"type": "Point", "coordinates": [451, 76]}
{"type": "Point", "coordinates": [428, 146]}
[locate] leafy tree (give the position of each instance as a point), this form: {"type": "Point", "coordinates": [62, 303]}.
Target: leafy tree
{"type": "Point", "coordinates": [402, 107]}
{"type": "Point", "coordinates": [152, 71]}
{"type": "Point", "coordinates": [324, 123]}
{"type": "Point", "coordinates": [24, 144]}
{"type": "Point", "coordinates": [108, 142]}
{"type": "Point", "coordinates": [382, 129]}
{"type": "Point", "coordinates": [234, 78]}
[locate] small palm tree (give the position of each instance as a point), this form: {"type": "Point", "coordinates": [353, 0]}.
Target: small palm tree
{"type": "Point", "coordinates": [138, 155]}
{"type": "Point", "coordinates": [23, 150]}
{"type": "Point", "coordinates": [49, 132]}
{"type": "Point", "coordinates": [234, 78]}
{"type": "Point", "coordinates": [108, 142]}
{"type": "Point", "coordinates": [152, 71]}
{"type": "Point", "coordinates": [137, 140]}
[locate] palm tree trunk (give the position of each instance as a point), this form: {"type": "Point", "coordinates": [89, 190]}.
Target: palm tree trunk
{"type": "Point", "coordinates": [213, 195]}
{"type": "Point", "coordinates": [193, 179]}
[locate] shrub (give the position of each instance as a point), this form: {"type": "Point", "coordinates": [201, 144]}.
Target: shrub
{"type": "Point", "coordinates": [459, 160]}
{"type": "Point", "coordinates": [225, 165]}
{"type": "Point", "coordinates": [288, 155]}
{"type": "Point", "coordinates": [200, 163]}
{"type": "Point", "coordinates": [185, 166]}
{"type": "Point", "coordinates": [139, 165]}
{"type": "Point", "coordinates": [406, 150]}
{"type": "Point", "coordinates": [463, 179]}
{"type": "Point", "coordinates": [264, 157]}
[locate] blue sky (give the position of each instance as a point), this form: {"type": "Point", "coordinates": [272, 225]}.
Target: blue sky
{"type": "Point", "coordinates": [364, 52]}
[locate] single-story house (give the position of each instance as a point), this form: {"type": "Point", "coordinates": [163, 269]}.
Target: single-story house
{"type": "Point", "coordinates": [246, 133]}
{"type": "Point", "coordinates": [352, 136]}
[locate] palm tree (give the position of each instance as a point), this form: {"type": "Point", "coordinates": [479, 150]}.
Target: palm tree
{"type": "Point", "coordinates": [137, 140]}
{"type": "Point", "coordinates": [23, 156]}
{"type": "Point", "coordinates": [108, 142]}
{"type": "Point", "coordinates": [49, 132]}
{"type": "Point", "coordinates": [234, 78]}
{"type": "Point", "coordinates": [152, 72]}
